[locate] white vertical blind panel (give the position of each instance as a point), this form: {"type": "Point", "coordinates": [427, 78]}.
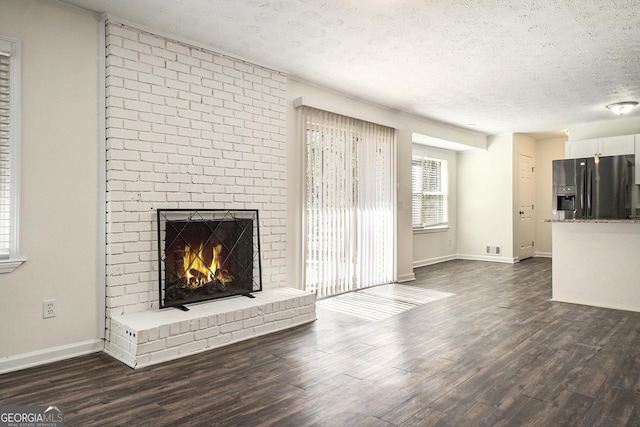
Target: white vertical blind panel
{"type": "Point", "coordinates": [5, 156]}
{"type": "Point", "coordinates": [349, 199]}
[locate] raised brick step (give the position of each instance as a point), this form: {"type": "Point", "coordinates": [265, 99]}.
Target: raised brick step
{"type": "Point", "coordinates": [150, 337]}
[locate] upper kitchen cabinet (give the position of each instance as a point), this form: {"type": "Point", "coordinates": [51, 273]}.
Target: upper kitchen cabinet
{"type": "Point", "coordinates": [579, 149]}
{"type": "Point", "coordinates": [609, 146]}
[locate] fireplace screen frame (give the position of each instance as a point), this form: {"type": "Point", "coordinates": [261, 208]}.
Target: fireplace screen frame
{"type": "Point", "coordinates": [211, 218]}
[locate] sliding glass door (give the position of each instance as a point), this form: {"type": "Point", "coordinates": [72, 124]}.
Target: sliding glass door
{"type": "Point", "coordinates": [349, 201]}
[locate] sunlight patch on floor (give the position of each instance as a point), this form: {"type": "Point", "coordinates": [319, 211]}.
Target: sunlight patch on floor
{"type": "Point", "coordinates": [380, 302]}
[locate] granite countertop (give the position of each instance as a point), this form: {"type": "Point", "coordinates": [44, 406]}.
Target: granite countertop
{"type": "Point", "coordinates": [596, 221]}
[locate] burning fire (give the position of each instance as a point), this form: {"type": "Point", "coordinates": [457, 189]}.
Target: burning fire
{"type": "Point", "coordinates": [197, 273]}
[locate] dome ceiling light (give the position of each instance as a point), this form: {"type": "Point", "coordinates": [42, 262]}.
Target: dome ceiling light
{"type": "Point", "coordinates": [622, 108]}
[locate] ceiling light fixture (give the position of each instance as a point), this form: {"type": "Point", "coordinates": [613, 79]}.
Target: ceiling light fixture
{"type": "Point", "coordinates": [621, 108]}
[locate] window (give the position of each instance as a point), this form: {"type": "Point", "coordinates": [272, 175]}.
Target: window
{"type": "Point", "coordinates": [429, 192]}
{"type": "Point", "coordinates": [9, 153]}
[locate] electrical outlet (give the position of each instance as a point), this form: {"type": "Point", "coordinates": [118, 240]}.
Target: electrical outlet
{"type": "Point", "coordinates": [49, 309]}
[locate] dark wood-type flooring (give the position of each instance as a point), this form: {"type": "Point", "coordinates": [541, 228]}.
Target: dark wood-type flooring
{"type": "Point", "coordinates": [499, 352]}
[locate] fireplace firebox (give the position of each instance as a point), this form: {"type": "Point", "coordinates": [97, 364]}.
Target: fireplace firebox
{"type": "Point", "coordinates": [207, 254]}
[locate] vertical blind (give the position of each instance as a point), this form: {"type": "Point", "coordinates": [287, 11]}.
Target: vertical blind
{"type": "Point", "coordinates": [349, 202]}
{"type": "Point", "coordinates": [5, 155]}
{"type": "Point", "coordinates": [429, 192]}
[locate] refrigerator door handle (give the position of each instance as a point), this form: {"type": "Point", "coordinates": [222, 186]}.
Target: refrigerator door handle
{"type": "Point", "coordinates": [583, 195]}
{"type": "Point", "coordinates": [589, 194]}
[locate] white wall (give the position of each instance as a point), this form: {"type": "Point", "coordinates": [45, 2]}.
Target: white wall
{"type": "Point", "coordinates": [407, 125]}
{"type": "Point", "coordinates": [187, 129]}
{"type": "Point", "coordinates": [60, 185]}
{"type": "Point", "coordinates": [547, 150]}
{"type": "Point", "coordinates": [485, 200]}
{"type": "Point", "coordinates": [488, 197]}
{"type": "Point", "coordinates": [432, 246]}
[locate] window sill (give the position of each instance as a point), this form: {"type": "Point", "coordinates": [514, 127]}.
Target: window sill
{"type": "Point", "coordinates": [8, 265]}
{"type": "Point", "coordinates": [434, 229]}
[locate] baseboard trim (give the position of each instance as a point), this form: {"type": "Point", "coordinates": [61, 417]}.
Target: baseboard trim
{"type": "Point", "coordinates": [486, 258]}
{"type": "Point", "coordinates": [406, 277]}
{"type": "Point", "coordinates": [542, 254]}
{"type": "Point", "coordinates": [431, 261]}
{"type": "Point", "coordinates": [50, 355]}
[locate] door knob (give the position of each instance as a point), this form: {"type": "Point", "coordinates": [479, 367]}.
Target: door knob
{"type": "Point", "coordinates": [521, 212]}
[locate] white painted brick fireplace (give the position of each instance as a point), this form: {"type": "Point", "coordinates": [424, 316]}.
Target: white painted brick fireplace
{"type": "Point", "coordinates": [187, 128]}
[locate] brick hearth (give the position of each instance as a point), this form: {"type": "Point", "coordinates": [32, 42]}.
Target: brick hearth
{"type": "Point", "coordinates": [150, 337]}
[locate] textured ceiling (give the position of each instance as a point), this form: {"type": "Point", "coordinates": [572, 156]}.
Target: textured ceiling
{"type": "Point", "coordinates": [489, 66]}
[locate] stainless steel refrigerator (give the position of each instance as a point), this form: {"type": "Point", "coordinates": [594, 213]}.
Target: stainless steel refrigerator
{"type": "Point", "coordinates": [593, 188]}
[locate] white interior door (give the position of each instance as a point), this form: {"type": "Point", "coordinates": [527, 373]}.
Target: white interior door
{"type": "Point", "coordinates": [526, 206]}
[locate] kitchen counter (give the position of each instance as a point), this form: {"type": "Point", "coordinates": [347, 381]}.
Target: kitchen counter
{"type": "Point", "coordinates": [595, 262]}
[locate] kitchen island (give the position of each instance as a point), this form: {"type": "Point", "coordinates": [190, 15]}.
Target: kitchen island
{"type": "Point", "coordinates": [597, 262]}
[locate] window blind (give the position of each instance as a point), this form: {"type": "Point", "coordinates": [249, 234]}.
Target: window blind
{"type": "Point", "coordinates": [349, 202]}
{"type": "Point", "coordinates": [429, 192]}
{"type": "Point", "coordinates": [5, 156]}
